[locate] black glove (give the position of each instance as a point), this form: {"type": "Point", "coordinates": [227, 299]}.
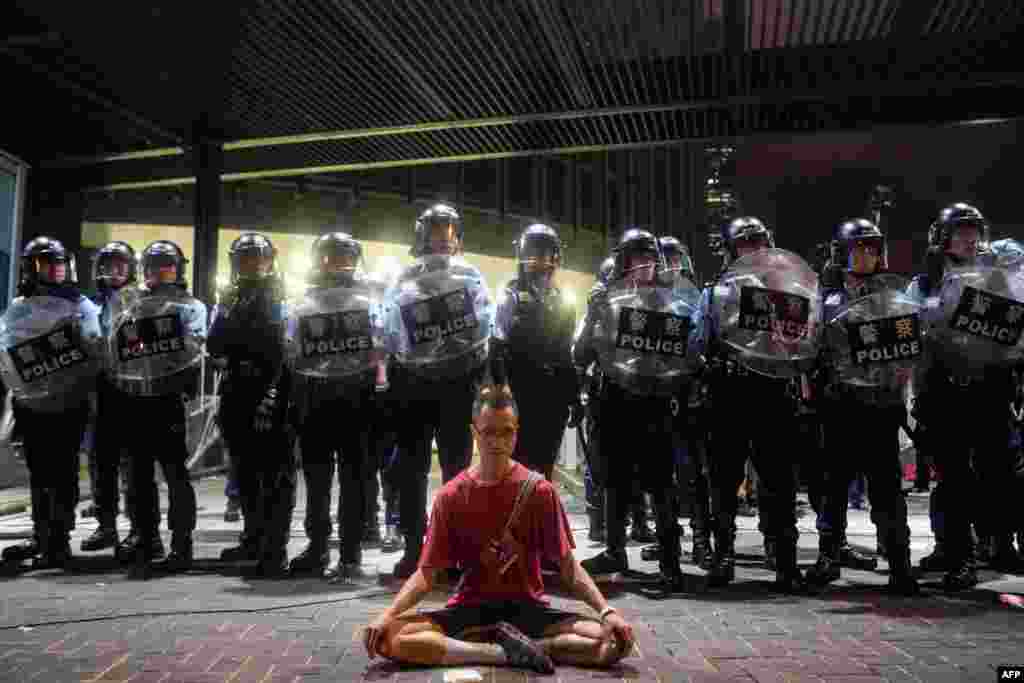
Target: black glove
{"type": "Point", "coordinates": [263, 421]}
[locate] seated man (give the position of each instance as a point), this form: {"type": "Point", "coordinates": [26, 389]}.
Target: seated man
{"type": "Point", "coordinates": [499, 614]}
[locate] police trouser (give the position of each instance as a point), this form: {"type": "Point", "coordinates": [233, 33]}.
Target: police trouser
{"type": "Point", "coordinates": [763, 433]}
{"type": "Point", "coordinates": [543, 413]}
{"type": "Point", "coordinates": [594, 473]}
{"type": "Point", "coordinates": [382, 444]}
{"type": "Point", "coordinates": [112, 455]}
{"type": "Point", "coordinates": [155, 432]}
{"type": "Point", "coordinates": [429, 410]}
{"type": "Point", "coordinates": [697, 485]}
{"type": "Point", "coordinates": [639, 446]}
{"type": "Point", "coordinates": [265, 471]}
{"type": "Point", "coordinates": [51, 446]}
{"type": "Point", "coordinates": [968, 435]}
{"type": "Point", "coordinates": [335, 440]}
{"type": "Point", "coordinates": [861, 438]}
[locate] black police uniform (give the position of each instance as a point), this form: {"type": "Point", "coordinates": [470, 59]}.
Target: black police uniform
{"type": "Point", "coordinates": [247, 331]}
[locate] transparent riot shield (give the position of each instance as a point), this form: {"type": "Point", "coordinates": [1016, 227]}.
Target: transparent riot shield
{"type": "Point", "coordinates": [874, 343]}
{"type": "Point", "coordinates": [441, 315]}
{"type": "Point", "coordinates": [642, 337]}
{"type": "Point", "coordinates": [977, 319]}
{"type": "Point", "coordinates": [334, 341]}
{"type": "Point", "coordinates": [768, 312]}
{"type": "Point", "coordinates": [44, 355]}
{"type": "Point", "coordinates": [152, 349]}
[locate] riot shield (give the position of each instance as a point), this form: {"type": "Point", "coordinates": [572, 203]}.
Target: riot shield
{"type": "Point", "coordinates": [44, 355]}
{"type": "Point", "coordinates": [768, 310]}
{"type": "Point", "coordinates": [977, 319]}
{"type": "Point", "coordinates": [151, 348]}
{"type": "Point", "coordinates": [441, 315]}
{"type": "Point", "coordinates": [874, 343]}
{"type": "Point", "coordinates": [335, 335]}
{"type": "Point", "coordinates": [642, 338]}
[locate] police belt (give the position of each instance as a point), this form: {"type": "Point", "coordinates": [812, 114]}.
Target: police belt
{"type": "Point", "coordinates": [314, 389]}
{"type": "Point", "coordinates": [180, 382]}
{"type": "Point", "coordinates": [873, 396]}
{"type": "Point", "coordinates": [449, 369]}
{"type": "Point", "coordinates": [246, 369]}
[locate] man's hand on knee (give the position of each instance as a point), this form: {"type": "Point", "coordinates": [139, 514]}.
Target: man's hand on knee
{"type": "Point", "coordinates": [619, 634]}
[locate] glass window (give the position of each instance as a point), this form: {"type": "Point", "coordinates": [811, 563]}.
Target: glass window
{"type": "Point", "coordinates": [11, 183]}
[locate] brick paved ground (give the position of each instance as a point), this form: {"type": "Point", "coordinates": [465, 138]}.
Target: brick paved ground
{"type": "Point", "coordinates": [116, 629]}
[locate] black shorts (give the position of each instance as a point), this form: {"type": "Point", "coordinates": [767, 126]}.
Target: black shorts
{"type": "Point", "coordinates": [531, 618]}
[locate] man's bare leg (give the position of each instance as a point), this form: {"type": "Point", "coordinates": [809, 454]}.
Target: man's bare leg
{"type": "Point", "coordinates": [418, 640]}
{"type": "Point", "coordinates": [581, 643]}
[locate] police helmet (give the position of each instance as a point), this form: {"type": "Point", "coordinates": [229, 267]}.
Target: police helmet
{"type": "Point", "coordinates": [107, 256]}
{"type": "Point", "coordinates": [252, 244]}
{"type": "Point", "coordinates": [955, 216]}
{"type": "Point", "coordinates": [604, 271]}
{"type": "Point", "coordinates": [39, 261]}
{"type": "Point", "coordinates": [671, 247]}
{"type": "Point", "coordinates": [439, 217]}
{"type": "Point", "coordinates": [743, 228]}
{"type": "Point", "coordinates": [852, 232]}
{"type": "Point", "coordinates": [157, 260]}
{"type": "Point", "coordinates": [636, 241]}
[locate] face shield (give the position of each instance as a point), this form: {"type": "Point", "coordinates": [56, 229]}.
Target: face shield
{"type": "Point", "coordinates": [253, 264]}
{"type": "Point", "coordinates": [161, 269]}
{"type": "Point", "coordinates": [965, 240]}
{"type": "Point", "coordinates": [641, 267]}
{"type": "Point", "coordinates": [113, 269]}
{"type": "Point", "coordinates": [865, 256]}
{"type": "Point", "coordinates": [442, 239]}
{"type": "Point", "coordinates": [539, 260]}
{"type": "Point", "coordinates": [50, 269]}
{"type": "Point", "coordinates": [748, 244]}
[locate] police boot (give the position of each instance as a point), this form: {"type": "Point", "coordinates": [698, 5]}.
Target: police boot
{"type": "Point", "coordinates": [827, 568]}
{"type": "Point", "coordinates": [180, 557]}
{"type": "Point", "coordinates": [851, 558]}
{"type": "Point", "coordinates": [901, 578]}
{"type": "Point", "coordinates": [596, 517]}
{"type": "Point", "coordinates": [21, 552]}
{"type": "Point", "coordinates": [392, 541]}
{"type": "Point", "coordinates": [55, 551]}
{"type": "Point", "coordinates": [960, 576]}
{"type": "Point", "coordinates": [348, 568]}
{"type": "Point", "coordinates": [936, 561]}
{"type": "Point", "coordinates": [702, 554]}
{"type": "Point", "coordinates": [126, 551]}
{"type": "Point", "coordinates": [613, 559]}
{"type": "Point", "coordinates": [248, 550]}
{"type": "Point", "coordinates": [640, 531]}
{"type": "Point", "coordinates": [769, 553]}
{"type": "Point", "coordinates": [271, 565]}
{"type": "Point", "coordinates": [1004, 558]}
{"type": "Point", "coordinates": [723, 566]}
{"type": "Point", "coordinates": [788, 578]}
{"type": "Point", "coordinates": [313, 559]}
{"type": "Point", "coordinates": [412, 498]}
{"type": "Point", "coordinates": [104, 537]}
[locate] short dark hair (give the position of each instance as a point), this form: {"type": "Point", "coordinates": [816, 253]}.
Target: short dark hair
{"type": "Point", "coordinates": [494, 397]}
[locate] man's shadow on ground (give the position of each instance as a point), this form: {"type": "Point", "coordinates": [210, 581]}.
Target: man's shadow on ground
{"type": "Point", "coordinates": [386, 670]}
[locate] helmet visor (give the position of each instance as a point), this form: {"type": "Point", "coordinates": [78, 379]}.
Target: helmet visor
{"type": "Point", "coordinates": [640, 265]}
{"type": "Point", "coordinates": [50, 268]}
{"type": "Point", "coordinates": [114, 268]}
{"type": "Point", "coordinates": [253, 264]}
{"type": "Point", "coordinates": [442, 237]}
{"type": "Point", "coordinates": [161, 269]}
{"type": "Point", "coordinates": [865, 256]}
{"type": "Point", "coordinates": [539, 255]}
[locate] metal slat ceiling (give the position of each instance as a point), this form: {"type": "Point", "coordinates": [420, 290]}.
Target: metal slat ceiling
{"type": "Point", "coordinates": [498, 77]}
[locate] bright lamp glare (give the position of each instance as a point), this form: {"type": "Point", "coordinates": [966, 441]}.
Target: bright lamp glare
{"type": "Point", "coordinates": [569, 296]}
{"type": "Point", "coordinates": [222, 281]}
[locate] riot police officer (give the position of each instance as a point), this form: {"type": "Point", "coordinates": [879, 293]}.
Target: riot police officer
{"type": "Point", "coordinates": [862, 420]}
{"type": "Point", "coordinates": [531, 349]}
{"type": "Point", "coordinates": [691, 465]}
{"type": "Point", "coordinates": [958, 391]}
{"type": "Point", "coordinates": [155, 344]}
{"type": "Point", "coordinates": [758, 435]}
{"type": "Point", "coordinates": [336, 334]}
{"type": "Point", "coordinates": [115, 266]}
{"type": "Point", "coordinates": [635, 401]}
{"type": "Point", "coordinates": [247, 332]}
{"type": "Point", "coordinates": [440, 317]}
{"type": "Point", "coordinates": [50, 376]}
{"type": "Point", "coordinates": [590, 380]}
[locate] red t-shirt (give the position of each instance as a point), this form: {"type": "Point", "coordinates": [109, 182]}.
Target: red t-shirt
{"type": "Point", "coordinates": [469, 514]}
